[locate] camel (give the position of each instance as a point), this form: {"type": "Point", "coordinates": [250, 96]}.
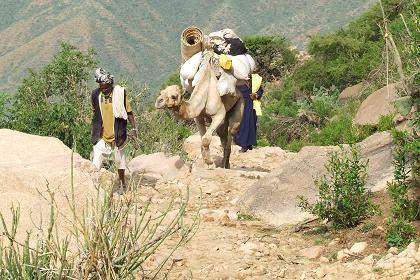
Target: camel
{"type": "Point", "coordinates": [204, 104]}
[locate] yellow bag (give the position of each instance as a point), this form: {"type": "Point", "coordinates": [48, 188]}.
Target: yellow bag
{"type": "Point", "coordinates": [256, 82]}
{"type": "Point", "coordinates": [225, 62]}
{"type": "Point", "coordinates": [256, 104]}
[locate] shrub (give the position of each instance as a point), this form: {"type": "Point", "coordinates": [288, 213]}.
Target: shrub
{"type": "Point", "coordinates": [340, 131]}
{"type": "Point", "coordinates": [5, 110]}
{"type": "Point", "coordinates": [272, 54]}
{"type": "Point", "coordinates": [56, 102]}
{"type": "Point", "coordinates": [386, 122]}
{"type": "Point", "coordinates": [400, 231]}
{"type": "Point", "coordinates": [111, 239]}
{"type": "Point", "coordinates": [343, 199]}
{"type": "Point", "coordinates": [323, 102]}
{"type": "Point", "coordinates": [173, 79]}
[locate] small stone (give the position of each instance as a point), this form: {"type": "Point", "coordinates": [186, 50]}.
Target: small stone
{"type": "Point", "coordinates": [369, 260]}
{"type": "Point", "coordinates": [358, 248]}
{"type": "Point", "coordinates": [282, 273]}
{"type": "Point", "coordinates": [341, 255]}
{"type": "Point", "coordinates": [248, 248]}
{"type": "Point", "coordinates": [393, 250]}
{"type": "Point", "coordinates": [334, 242]}
{"type": "Point", "coordinates": [312, 252]}
{"type": "Point", "coordinates": [320, 272]}
{"type": "Point", "coordinates": [324, 259]}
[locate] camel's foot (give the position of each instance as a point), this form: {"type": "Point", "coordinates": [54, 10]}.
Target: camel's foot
{"type": "Point", "coordinates": [205, 142]}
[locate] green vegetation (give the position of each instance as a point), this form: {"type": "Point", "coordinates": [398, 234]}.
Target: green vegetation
{"type": "Point", "coordinates": [400, 230]}
{"type": "Point", "coordinates": [304, 110]}
{"type": "Point", "coordinates": [343, 199]}
{"type": "Point", "coordinates": [55, 101]}
{"type": "Point", "coordinates": [150, 39]}
{"type": "Point", "coordinates": [272, 54]}
{"type": "Point", "coordinates": [246, 217]}
{"type": "Point", "coordinates": [367, 227]}
{"type": "Point", "coordinates": [109, 239]}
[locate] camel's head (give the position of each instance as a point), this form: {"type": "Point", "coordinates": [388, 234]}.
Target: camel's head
{"type": "Point", "coordinates": [170, 97]}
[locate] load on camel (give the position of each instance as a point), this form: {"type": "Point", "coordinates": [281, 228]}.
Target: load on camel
{"type": "Point", "coordinates": [210, 73]}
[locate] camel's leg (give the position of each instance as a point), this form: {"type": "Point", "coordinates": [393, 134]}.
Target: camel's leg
{"type": "Point", "coordinates": [232, 124]}
{"type": "Point", "coordinates": [223, 132]}
{"type": "Point", "coordinates": [206, 139]}
{"type": "Point", "coordinates": [205, 149]}
{"type": "Point", "coordinates": [200, 123]}
{"type": "Point", "coordinates": [235, 117]}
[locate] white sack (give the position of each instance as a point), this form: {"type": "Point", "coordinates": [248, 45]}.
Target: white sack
{"type": "Point", "coordinates": [251, 63]}
{"type": "Point", "coordinates": [226, 84]}
{"type": "Point", "coordinates": [190, 67]}
{"type": "Point", "coordinates": [186, 84]}
{"type": "Point", "coordinates": [197, 77]}
{"type": "Point", "coordinates": [240, 67]}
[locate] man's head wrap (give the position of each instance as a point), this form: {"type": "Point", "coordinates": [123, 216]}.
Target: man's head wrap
{"type": "Point", "coordinates": [101, 76]}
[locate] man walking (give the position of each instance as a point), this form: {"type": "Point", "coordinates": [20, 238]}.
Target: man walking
{"type": "Point", "coordinates": [111, 109]}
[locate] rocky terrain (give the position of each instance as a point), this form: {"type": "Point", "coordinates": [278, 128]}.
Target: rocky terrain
{"type": "Point", "coordinates": [250, 227]}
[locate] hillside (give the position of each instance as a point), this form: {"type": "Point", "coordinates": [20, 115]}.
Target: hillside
{"type": "Point", "coordinates": [140, 40]}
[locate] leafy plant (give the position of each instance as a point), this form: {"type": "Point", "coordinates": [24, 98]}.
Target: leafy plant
{"type": "Point", "coordinates": [400, 231]}
{"type": "Point", "coordinates": [246, 217]}
{"type": "Point", "coordinates": [272, 54]}
{"type": "Point", "coordinates": [367, 227]}
{"type": "Point", "coordinates": [323, 102]}
{"type": "Point", "coordinates": [111, 239]}
{"type": "Point", "coordinates": [55, 100]}
{"type": "Point", "coordinates": [343, 199]}
{"type": "Point", "coordinates": [386, 122]}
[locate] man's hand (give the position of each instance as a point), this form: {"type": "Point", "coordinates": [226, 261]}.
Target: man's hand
{"type": "Point", "coordinates": [253, 96]}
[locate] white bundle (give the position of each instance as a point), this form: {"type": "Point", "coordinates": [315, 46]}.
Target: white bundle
{"type": "Point", "coordinates": [190, 67]}
{"type": "Point", "coordinates": [186, 84]}
{"type": "Point", "coordinates": [118, 101]}
{"type": "Point", "coordinates": [241, 67]}
{"type": "Point", "coordinates": [226, 84]}
{"type": "Point", "coordinates": [251, 63]}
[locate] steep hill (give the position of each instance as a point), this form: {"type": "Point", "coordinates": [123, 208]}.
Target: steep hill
{"type": "Point", "coordinates": [140, 39]}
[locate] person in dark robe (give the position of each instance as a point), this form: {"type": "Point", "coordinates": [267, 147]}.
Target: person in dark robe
{"type": "Point", "coordinates": [247, 134]}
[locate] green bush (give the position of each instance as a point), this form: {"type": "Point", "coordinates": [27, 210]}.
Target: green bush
{"type": "Point", "coordinates": [343, 199]}
{"type": "Point", "coordinates": [5, 110]}
{"type": "Point", "coordinates": [111, 239]}
{"type": "Point", "coordinates": [173, 79]}
{"type": "Point", "coordinates": [272, 54]}
{"type": "Point", "coordinates": [400, 231]}
{"type": "Point", "coordinates": [340, 131]}
{"type": "Point", "coordinates": [386, 122]}
{"type": "Point", "coordinates": [323, 102]}
{"type": "Point", "coordinates": [56, 102]}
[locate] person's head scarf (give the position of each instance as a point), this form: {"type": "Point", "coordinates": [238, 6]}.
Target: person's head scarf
{"type": "Point", "coordinates": [102, 76]}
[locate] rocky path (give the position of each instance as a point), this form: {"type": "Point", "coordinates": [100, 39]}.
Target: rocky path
{"type": "Point", "coordinates": [231, 245]}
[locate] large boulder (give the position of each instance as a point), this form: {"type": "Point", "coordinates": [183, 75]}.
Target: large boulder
{"type": "Point", "coordinates": [32, 167]}
{"type": "Point", "coordinates": [274, 197]}
{"type": "Point", "coordinates": [158, 166]}
{"type": "Point", "coordinates": [380, 102]}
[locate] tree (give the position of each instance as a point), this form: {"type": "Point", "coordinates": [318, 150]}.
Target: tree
{"type": "Point", "coordinates": [55, 100]}
{"type": "Point", "coordinates": [272, 54]}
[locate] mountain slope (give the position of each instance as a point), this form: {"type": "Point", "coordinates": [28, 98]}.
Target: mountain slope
{"type": "Point", "coordinates": [140, 39]}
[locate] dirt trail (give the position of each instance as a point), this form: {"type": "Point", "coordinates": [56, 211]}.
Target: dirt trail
{"type": "Point", "coordinates": [226, 247]}
{"type": "Point", "coordinates": [231, 245]}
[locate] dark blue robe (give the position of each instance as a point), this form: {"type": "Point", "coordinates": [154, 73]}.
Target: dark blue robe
{"type": "Point", "coordinates": [247, 134]}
